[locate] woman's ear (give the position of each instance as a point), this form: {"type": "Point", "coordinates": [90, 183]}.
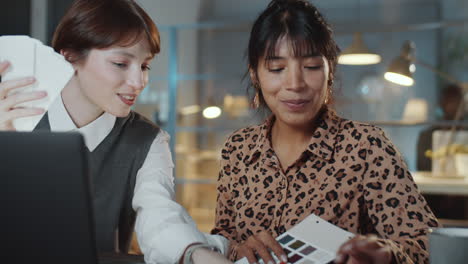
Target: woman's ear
{"type": "Point", "coordinates": [70, 56]}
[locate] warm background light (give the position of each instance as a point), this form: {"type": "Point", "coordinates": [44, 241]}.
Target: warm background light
{"type": "Point", "coordinates": [359, 59]}
{"type": "Point", "coordinates": [211, 112]}
{"type": "Point", "coordinates": [399, 79]}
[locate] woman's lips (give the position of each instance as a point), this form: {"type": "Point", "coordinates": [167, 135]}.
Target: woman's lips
{"type": "Point", "coordinates": [295, 105]}
{"type": "Point", "coordinates": [128, 99]}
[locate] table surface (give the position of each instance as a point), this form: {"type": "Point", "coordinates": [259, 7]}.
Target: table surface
{"type": "Point", "coordinates": [438, 184]}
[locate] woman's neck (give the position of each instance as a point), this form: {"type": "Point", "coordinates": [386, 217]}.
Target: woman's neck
{"type": "Point", "coordinates": [286, 135]}
{"type": "Point", "coordinates": [79, 108]}
{"type": "Point", "coordinates": [289, 142]}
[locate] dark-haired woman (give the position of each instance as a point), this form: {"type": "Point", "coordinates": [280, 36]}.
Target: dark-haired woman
{"type": "Point", "coordinates": [304, 159]}
{"type": "Point", "coordinates": [110, 44]}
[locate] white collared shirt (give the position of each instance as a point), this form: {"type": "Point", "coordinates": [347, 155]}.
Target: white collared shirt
{"type": "Point", "coordinates": [163, 227]}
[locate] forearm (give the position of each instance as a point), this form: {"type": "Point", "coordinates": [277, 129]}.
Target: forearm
{"type": "Point", "coordinates": [207, 256]}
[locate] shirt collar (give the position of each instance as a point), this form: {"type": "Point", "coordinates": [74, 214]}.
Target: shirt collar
{"type": "Point", "coordinates": [322, 143]}
{"type": "Point", "coordinates": [94, 133]}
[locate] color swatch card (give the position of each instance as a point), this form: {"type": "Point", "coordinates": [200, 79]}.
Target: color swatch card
{"type": "Point", "coordinates": [28, 57]}
{"type": "Point", "coordinates": [313, 240]}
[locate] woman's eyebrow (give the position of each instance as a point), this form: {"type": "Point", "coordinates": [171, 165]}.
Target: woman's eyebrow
{"type": "Point", "coordinates": [131, 55]}
{"type": "Point", "coordinates": [124, 53]}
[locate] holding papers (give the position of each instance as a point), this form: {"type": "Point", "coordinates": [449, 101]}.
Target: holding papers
{"type": "Point", "coordinates": [29, 57]}
{"type": "Point", "coordinates": [313, 240]}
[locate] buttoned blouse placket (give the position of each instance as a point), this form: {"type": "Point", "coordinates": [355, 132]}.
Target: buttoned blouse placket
{"type": "Point", "coordinates": [288, 174]}
{"type": "Point", "coordinates": [284, 183]}
{"type": "Point", "coordinates": [269, 160]}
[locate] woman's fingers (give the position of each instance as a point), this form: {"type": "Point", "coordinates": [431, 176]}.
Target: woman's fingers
{"type": "Point", "coordinates": [7, 86]}
{"type": "Point", "coordinates": [25, 112]}
{"type": "Point", "coordinates": [364, 249]}
{"type": "Point", "coordinates": [7, 118]}
{"type": "Point", "coordinates": [263, 253]}
{"type": "Point", "coordinates": [13, 100]}
{"type": "Point", "coordinates": [248, 252]}
{"type": "Point", "coordinates": [274, 246]}
{"type": "Point", "coordinates": [3, 66]}
{"type": "Point", "coordinates": [9, 103]}
{"type": "Point", "coordinates": [259, 245]}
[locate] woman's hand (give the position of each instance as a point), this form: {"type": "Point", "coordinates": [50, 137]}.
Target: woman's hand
{"type": "Point", "coordinates": [9, 109]}
{"type": "Point", "coordinates": [261, 244]}
{"type": "Point", "coordinates": [365, 250]}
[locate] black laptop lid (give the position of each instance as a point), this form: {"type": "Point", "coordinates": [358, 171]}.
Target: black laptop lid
{"type": "Point", "coordinates": [45, 199]}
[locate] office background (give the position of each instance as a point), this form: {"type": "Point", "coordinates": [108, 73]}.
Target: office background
{"type": "Point", "coordinates": [202, 64]}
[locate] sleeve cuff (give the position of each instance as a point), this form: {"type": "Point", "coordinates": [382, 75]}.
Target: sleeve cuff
{"type": "Point", "coordinates": [218, 241]}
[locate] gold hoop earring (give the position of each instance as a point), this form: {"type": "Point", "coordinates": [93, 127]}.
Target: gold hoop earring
{"type": "Point", "coordinates": [256, 99]}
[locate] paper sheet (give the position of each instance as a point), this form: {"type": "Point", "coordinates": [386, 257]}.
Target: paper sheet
{"type": "Point", "coordinates": [313, 240]}
{"type": "Point", "coordinates": [29, 57]}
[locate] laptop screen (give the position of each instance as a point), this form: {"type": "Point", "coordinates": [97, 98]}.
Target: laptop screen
{"type": "Point", "coordinates": [45, 199]}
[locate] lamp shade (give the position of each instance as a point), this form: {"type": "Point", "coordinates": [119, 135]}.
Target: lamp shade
{"type": "Point", "coordinates": [358, 53]}
{"type": "Point", "coordinates": [400, 70]}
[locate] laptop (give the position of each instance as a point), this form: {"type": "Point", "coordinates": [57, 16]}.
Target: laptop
{"type": "Point", "coordinates": [46, 203]}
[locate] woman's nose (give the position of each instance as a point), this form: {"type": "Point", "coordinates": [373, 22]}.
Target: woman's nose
{"type": "Point", "coordinates": [136, 79]}
{"type": "Point", "coordinates": [295, 79]}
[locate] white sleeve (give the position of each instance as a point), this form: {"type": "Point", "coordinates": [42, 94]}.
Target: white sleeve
{"type": "Point", "coordinates": [163, 227]}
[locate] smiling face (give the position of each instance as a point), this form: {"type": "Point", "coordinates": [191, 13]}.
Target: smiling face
{"type": "Point", "coordinates": [110, 79]}
{"type": "Point", "coordinates": [293, 87]}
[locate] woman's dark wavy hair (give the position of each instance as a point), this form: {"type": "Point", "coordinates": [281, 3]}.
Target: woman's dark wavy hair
{"type": "Point", "coordinates": [302, 24]}
{"type": "Point", "coordinates": [98, 24]}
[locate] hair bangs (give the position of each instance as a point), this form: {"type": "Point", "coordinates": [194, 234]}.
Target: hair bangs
{"type": "Point", "coordinates": [102, 24]}
{"type": "Point", "coordinates": [129, 29]}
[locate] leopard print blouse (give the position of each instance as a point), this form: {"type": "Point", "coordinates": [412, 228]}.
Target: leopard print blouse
{"type": "Point", "coordinates": [350, 175]}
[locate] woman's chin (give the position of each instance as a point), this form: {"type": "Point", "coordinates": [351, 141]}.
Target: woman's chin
{"type": "Point", "coordinates": [120, 112]}
{"type": "Point", "coordinates": [296, 119]}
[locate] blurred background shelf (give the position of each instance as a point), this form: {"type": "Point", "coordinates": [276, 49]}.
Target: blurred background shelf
{"type": "Point", "coordinates": [429, 183]}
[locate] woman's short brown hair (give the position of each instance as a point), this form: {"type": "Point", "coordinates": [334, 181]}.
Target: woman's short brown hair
{"type": "Point", "coordinates": [89, 24]}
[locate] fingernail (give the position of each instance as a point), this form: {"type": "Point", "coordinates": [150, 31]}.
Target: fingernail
{"type": "Point", "coordinates": [31, 79]}
{"type": "Point", "coordinates": [347, 247]}
{"type": "Point", "coordinates": [339, 258]}
{"type": "Point", "coordinates": [284, 259]}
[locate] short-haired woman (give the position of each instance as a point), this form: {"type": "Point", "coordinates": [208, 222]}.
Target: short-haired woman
{"type": "Point", "coordinates": [110, 44]}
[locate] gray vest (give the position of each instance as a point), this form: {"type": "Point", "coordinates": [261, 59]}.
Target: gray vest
{"type": "Point", "coordinates": [113, 166]}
